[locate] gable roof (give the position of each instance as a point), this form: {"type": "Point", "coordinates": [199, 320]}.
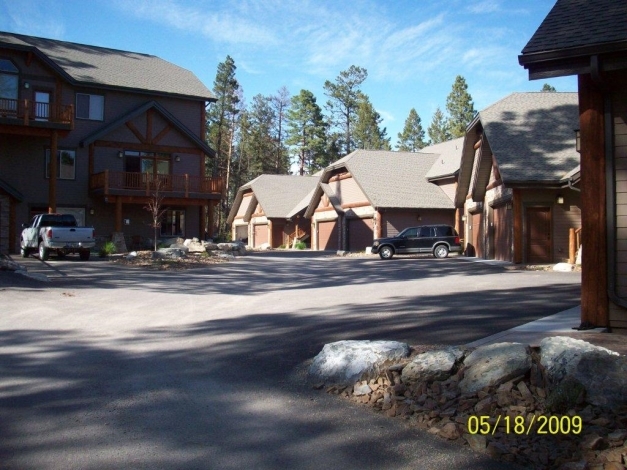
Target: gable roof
{"type": "Point", "coordinates": [280, 196]}
{"type": "Point", "coordinates": [120, 121]}
{"type": "Point", "coordinates": [388, 179]}
{"type": "Point", "coordinates": [531, 136]}
{"type": "Point", "coordinates": [572, 32]}
{"type": "Point", "coordinates": [101, 67]}
{"type": "Point", "coordinates": [447, 164]}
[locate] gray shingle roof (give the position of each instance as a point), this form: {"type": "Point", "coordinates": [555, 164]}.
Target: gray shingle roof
{"type": "Point", "coordinates": [532, 135]}
{"type": "Point", "coordinates": [578, 23]}
{"type": "Point", "coordinates": [280, 196]}
{"type": "Point", "coordinates": [102, 67]}
{"type": "Point", "coordinates": [391, 179]}
{"type": "Point", "coordinates": [450, 154]}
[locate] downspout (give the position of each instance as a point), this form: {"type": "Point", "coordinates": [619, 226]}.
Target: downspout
{"type": "Point", "coordinates": [610, 185]}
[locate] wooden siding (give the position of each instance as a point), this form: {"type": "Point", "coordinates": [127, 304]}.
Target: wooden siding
{"type": "Point", "coordinates": [348, 192]}
{"type": "Point", "coordinates": [502, 232]}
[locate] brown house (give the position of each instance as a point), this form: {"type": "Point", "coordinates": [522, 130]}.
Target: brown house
{"type": "Point", "coordinates": [590, 40]}
{"type": "Point", "coordinates": [517, 180]}
{"type": "Point", "coordinates": [374, 193]}
{"type": "Point", "coordinates": [269, 210]}
{"type": "Point", "coordinates": [91, 131]}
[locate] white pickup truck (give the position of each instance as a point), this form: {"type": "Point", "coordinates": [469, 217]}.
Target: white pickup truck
{"type": "Point", "coordinates": [56, 232]}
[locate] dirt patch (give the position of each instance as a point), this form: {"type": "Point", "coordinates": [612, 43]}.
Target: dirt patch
{"type": "Point", "coordinates": [145, 260]}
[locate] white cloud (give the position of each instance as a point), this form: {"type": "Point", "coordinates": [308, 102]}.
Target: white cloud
{"type": "Point", "coordinates": [485, 6]}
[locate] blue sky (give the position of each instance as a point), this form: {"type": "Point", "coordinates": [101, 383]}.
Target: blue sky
{"type": "Point", "coordinates": [413, 50]}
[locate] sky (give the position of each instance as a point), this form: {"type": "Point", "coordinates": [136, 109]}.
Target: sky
{"type": "Point", "coordinates": [412, 50]}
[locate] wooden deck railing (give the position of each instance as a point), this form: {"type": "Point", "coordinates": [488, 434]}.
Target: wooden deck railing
{"type": "Point", "coordinates": [27, 111]}
{"type": "Point", "coordinates": [574, 244]}
{"type": "Point", "coordinates": [146, 183]}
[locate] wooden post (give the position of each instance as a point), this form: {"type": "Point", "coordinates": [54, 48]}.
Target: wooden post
{"type": "Point", "coordinates": [571, 246]}
{"type": "Point", "coordinates": [211, 217]}
{"type": "Point", "coordinates": [378, 230]}
{"type": "Point", "coordinates": [118, 214]}
{"type": "Point", "coordinates": [518, 226]}
{"type": "Point", "coordinates": [594, 300]}
{"type": "Point", "coordinates": [52, 173]}
{"type": "Point", "coordinates": [203, 222]}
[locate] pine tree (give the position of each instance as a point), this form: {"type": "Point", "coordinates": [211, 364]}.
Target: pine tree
{"type": "Point", "coordinates": [548, 88]}
{"type": "Point", "coordinates": [306, 132]}
{"type": "Point", "coordinates": [343, 102]}
{"type": "Point", "coordinates": [460, 108]}
{"type": "Point", "coordinates": [438, 129]}
{"type": "Point", "coordinates": [280, 104]}
{"type": "Point", "coordinates": [413, 135]}
{"type": "Point", "coordinates": [367, 134]}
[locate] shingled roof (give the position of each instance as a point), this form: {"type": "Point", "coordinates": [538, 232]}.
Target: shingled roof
{"type": "Point", "coordinates": [389, 179]}
{"type": "Point", "coordinates": [532, 138]}
{"type": "Point", "coordinates": [280, 196]}
{"type": "Point", "coordinates": [572, 32]}
{"type": "Point", "coordinates": [102, 67]}
{"type": "Point", "coordinates": [447, 164]}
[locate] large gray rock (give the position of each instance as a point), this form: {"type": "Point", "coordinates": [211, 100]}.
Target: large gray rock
{"type": "Point", "coordinates": [559, 355]}
{"type": "Point", "coordinates": [604, 377]}
{"type": "Point", "coordinates": [346, 362]}
{"type": "Point", "coordinates": [174, 252]}
{"type": "Point", "coordinates": [432, 365]}
{"type": "Point", "coordinates": [494, 364]}
{"type": "Point", "coordinates": [195, 246]}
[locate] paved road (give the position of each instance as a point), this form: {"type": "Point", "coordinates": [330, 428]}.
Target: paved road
{"type": "Point", "coordinates": [113, 367]}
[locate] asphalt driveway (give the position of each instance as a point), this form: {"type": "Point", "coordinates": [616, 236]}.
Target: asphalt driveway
{"type": "Point", "coordinates": [113, 367]}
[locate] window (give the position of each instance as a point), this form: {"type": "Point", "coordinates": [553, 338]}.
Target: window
{"type": "Point", "coordinates": [89, 107]}
{"type": "Point", "coordinates": [8, 85]}
{"type": "Point", "coordinates": [173, 223]}
{"type": "Point", "coordinates": [66, 164]}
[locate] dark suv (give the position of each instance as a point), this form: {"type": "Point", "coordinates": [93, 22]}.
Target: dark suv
{"type": "Point", "coordinates": [436, 239]}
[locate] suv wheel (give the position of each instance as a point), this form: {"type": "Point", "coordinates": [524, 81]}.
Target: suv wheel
{"type": "Point", "coordinates": [386, 252]}
{"type": "Point", "coordinates": [440, 251]}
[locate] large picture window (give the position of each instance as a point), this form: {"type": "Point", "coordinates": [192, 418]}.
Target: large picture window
{"type": "Point", "coordinates": [66, 164]}
{"type": "Point", "coordinates": [8, 86]}
{"type": "Point", "coordinates": [89, 107]}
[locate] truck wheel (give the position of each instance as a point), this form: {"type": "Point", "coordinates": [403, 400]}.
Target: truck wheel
{"type": "Point", "coordinates": [44, 252]}
{"type": "Point", "coordinates": [84, 254]}
{"type": "Point", "coordinates": [24, 252]}
{"type": "Point", "coordinates": [386, 252]}
{"type": "Point", "coordinates": [440, 251]}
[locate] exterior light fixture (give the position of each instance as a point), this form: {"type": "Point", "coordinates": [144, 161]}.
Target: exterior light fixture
{"type": "Point", "coordinates": [26, 85]}
{"type": "Point", "coordinates": [177, 158]}
{"type": "Point", "coordinates": [120, 154]}
{"type": "Point", "coordinates": [559, 199]}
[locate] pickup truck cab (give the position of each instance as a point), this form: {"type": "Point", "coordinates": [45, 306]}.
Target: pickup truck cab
{"type": "Point", "coordinates": [56, 232]}
{"type": "Point", "coordinates": [437, 239]}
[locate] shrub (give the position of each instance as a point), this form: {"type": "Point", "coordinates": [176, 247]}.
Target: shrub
{"type": "Point", "coordinates": [300, 245]}
{"type": "Point", "coordinates": [107, 249]}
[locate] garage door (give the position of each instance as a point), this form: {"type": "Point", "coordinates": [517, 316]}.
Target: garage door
{"type": "Point", "coordinates": [241, 233]}
{"type": "Point", "coordinates": [502, 234]}
{"type": "Point", "coordinates": [360, 234]}
{"type": "Point", "coordinates": [327, 235]}
{"type": "Point", "coordinates": [261, 235]}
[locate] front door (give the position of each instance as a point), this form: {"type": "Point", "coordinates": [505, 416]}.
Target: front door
{"type": "Point", "coordinates": [538, 234]}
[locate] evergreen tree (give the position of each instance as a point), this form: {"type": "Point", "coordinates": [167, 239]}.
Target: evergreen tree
{"type": "Point", "coordinates": [306, 132]}
{"type": "Point", "coordinates": [367, 134]}
{"type": "Point", "coordinates": [343, 102]}
{"type": "Point", "coordinates": [460, 108]}
{"type": "Point", "coordinates": [280, 104]}
{"type": "Point", "coordinates": [438, 129]}
{"type": "Point", "coordinates": [413, 135]}
{"type": "Point", "coordinates": [548, 88]}
{"type": "Point", "coordinates": [261, 141]}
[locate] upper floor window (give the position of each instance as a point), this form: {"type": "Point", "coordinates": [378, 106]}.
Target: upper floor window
{"type": "Point", "coordinates": [8, 84]}
{"type": "Point", "coordinates": [89, 107]}
{"type": "Point", "coordinates": [66, 164]}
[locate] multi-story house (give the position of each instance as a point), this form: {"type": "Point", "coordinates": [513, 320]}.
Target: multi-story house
{"type": "Point", "coordinates": [94, 132]}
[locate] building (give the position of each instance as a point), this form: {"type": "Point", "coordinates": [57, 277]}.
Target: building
{"type": "Point", "coordinates": [93, 132]}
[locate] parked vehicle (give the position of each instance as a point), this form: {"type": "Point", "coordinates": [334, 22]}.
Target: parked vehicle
{"type": "Point", "coordinates": [437, 239]}
{"type": "Point", "coordinates": [56, 232]}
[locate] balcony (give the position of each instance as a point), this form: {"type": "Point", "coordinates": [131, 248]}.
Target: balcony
{"type": "Point", "coordinates": [121, 183]}
{"type": "Point", "coordinates": [36, 114]}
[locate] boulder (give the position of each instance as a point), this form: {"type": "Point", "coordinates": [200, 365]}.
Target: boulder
{"type": "Point", "coordinates": [604, 376]}
{"type": "Point", "coordinates": [494, 364]}
{"type": "Point", "coordinates": [174, 252]}
{"type": "Point", "coordinates": [346, 362]}
{"type": "Point", "coordinates": [559, 355]}
{"type": "Point", "coordinates": [432, 365]}
{"type": "Point", "coordinates": [563, 267]}
{"type": "Point", "coordinates": [195, 246]}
